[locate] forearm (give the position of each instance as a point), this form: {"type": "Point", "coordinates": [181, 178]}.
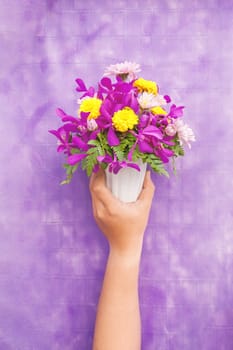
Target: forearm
{"type": "Point", "coordinates": [118, 323]}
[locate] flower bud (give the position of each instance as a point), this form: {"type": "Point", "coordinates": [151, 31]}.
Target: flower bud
{"type": "Point", "coordinates": [170, 130]}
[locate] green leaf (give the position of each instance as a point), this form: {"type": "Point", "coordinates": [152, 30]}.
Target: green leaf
{"type": "Point", "coordinates": [92, 150]}
{"type": "Point", "coordinates": [74, 150]}
{"type": "Point", "coordinates": [119, 152]}
{"type": "Point", "coordinates": [178, 149]}
{"type": "Point", "coordinates": [100, 144]}
{"type": "Point", "coordinates": [159, 168]}
{"type": "Point", "coordinates": [126, 143]}
{"type": "Point", "coordinates": [155, 163]}
{"type": "Point", "coordinates": [174, 166]}
{"type": "Point", "coordinates": [90, 161]}
{"type": "Point", "coordinates": [70, 170]}
{"type": "Point", "coordinates": [103, 143]}
{"type": "Point", "coordinates": [93, 142]}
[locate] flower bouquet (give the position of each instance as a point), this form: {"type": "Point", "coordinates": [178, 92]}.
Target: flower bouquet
{"type": "Point", "coordinates": [122, 125]}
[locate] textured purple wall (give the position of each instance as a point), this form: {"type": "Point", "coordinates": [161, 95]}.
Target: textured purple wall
{"type": "Point", "coordinates": [52, 256]}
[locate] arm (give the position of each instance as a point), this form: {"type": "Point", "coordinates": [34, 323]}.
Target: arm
{"type": "Point", "coordinates": [118, 316]}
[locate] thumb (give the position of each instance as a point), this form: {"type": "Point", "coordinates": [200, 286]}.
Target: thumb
{"type": "Point", "coordinates": [97, 179]}
{"type": "Point", "coordinates": [99, 189]}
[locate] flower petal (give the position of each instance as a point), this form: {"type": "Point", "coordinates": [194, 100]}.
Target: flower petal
{"type": "Point", "coordinates": [81, 85]}
{"type": "Point", "coordinates": [60, 113]}
{"type": "Point", "coordinates": [55, 133]}
{"type": "Point", "coordinates": [116, 166]}
{"type": "Point", "coordinates": [105, 159]}
{"type": "Point", "coordinates": [167, 98]}
{"type": "Point", "coordinates": [79, 143]}
{"type": "Point", "coordinates": [152, 130]}
{"type": "Point", "coordinates": [61, 148]}
{"type": "Point", "coordinates": [112, 138]}
{"type": "Point", "coordinates": [144, 147]}
{"type": "Point", "coordinates": [106, 83]}
{"type": "Point", "coordinates": [130, 154]}
{"type": "Point", "coordinates": [176, 112]}
{"type": "Point", "coordinates": [134, 166]}
{"type": "Point", "coordinates": [75, 158]}
{"type": "Point", "coordinates": [69, 127]}
{"type": "Point", "coordinates": [69, 118]}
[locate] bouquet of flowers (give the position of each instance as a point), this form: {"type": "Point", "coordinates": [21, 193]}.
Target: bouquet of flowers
{"type": "Point", "coordinates": [120, 122]}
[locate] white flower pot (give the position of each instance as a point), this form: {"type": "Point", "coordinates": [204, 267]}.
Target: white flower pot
{"type": "Point", "coordinates": [126, 185]}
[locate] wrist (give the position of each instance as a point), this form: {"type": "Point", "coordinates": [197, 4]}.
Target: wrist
{"type": "Point", "coordinates": [128, 257]}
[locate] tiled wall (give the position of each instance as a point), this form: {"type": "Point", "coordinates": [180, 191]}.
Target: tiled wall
{"type": "Point", "coordinates": [52, 256]}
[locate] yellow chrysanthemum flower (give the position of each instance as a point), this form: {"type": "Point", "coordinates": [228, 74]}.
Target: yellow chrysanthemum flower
{"type": "Point", "coordinates": [91, 105]}
{"type": "Point", "coordinates": [124, 119]}
{"type": "Point", "coordinates": [146, 85]}
{"type": "Point", "coordinates": [158, 110]}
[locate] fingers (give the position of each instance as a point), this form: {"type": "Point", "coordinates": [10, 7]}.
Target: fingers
{"type": "Point", "coordinates": [148, 189]}
{"type": "Point", "coordinates": [97, 182]}
{"type": "Point", "coordinates": [98, 188]}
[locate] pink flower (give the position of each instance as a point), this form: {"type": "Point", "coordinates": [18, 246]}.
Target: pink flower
{"type": "Point", "coordinates": [185, 133]}
{"type": "Point", "coordinates": [171, 130]}
{"type": "Point", "coordinates": [126, 67]}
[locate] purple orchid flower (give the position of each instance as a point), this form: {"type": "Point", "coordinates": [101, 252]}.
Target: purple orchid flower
{"type": "Point", "coordinates": [112, 137]}
{"type": "Point", "coordinates": [163, 153]}
{"type": "Point", "coordinates": [67, 118]}
{"type": "Point", "coordinates": [167, 98]}
{"type": "Point", "coordinates": [123, 86]}
{"type": "Point", "coordinates": [75, 158]}
{"type": "Point", "coordinates": [79, 143]}
{"type": "Point", "coordinates": [65, 144]}
{"type": "Point", "coordinates": [175, 112]}
{"type": "Point", "coordinates": [60, 113]}
{"type": "Point", "coordinates": [104, 122]}
{"type": "Point", "coordinates": [78, 126]}
{"type": "Point", "coordinates": [105, 85]}
{"type": "Point", "coordinates": [122, 95]}
{"type": "Point", "coordinates": [81, 87]}
{"type": "Point", "coordinates": [63, 139]}
{"type": "Point", "coordinates": [115, 165]}
{"type": "Point", "coordinates": [144, 139]}
{"type": "Point", "coordinates": [168, 140]}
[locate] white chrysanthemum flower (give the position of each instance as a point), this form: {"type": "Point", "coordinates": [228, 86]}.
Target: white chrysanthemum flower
{"type": "Point", "coordinates": [185, 133]}
{"type": "Point", "coordinates": [160, 100]}
{"type": "Point", "coordinates": [130, 68]}
{"type": "Point", "coordinates": [147, 100]}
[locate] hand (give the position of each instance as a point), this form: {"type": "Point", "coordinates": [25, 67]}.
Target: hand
{"type": "Point", "coordinates": [123, 224]}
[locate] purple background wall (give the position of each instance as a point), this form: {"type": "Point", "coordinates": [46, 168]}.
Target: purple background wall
{"type": "Point", "coordinates": [52, 256]}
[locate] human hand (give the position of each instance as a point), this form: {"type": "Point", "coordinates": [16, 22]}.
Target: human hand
{"type": "Point", "coordinates": [123, 224]}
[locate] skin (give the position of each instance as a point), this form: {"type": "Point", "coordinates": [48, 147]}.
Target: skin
{"type": "Point", "coordinates": [118, 324]}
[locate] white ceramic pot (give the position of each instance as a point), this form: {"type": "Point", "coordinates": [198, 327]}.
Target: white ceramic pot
{"type": "Point", "coordinates": [127, 183]}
